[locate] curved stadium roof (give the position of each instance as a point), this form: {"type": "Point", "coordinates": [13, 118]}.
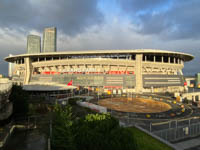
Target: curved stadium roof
{"type": "Point", "coordinates": [186, 57]}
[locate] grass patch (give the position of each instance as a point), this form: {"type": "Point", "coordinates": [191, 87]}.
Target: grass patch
{"type": "Point", "coordinates": [146, 142]}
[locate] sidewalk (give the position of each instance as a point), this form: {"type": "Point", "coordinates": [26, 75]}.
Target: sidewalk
{"type": "Point", "coordinates": [188, 143]}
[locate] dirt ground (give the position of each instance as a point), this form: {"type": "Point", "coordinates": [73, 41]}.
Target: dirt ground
{"type": "Point", "coordinates": [137, 105]}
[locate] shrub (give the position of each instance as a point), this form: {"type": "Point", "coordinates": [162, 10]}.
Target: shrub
{"type": "Point", "coordinates": [20, 98]}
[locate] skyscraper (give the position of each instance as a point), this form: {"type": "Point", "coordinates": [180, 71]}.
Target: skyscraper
{"type": "Point", "coordinates": [49, 40]}
{"type": "Point", "coordinates": [33, 44]}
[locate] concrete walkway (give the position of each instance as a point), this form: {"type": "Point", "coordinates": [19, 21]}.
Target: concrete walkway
{"type": "Point", "coordinates": [188, 143]}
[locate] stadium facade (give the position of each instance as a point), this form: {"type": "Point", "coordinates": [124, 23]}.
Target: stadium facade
{"type": "Point", "coordinates": [141, 70]}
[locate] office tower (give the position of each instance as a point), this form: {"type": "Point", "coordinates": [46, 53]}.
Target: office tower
{"type": "Point", "coordinates": [33, 44]}
{"type": "Point", "coordinates": [49, 40]}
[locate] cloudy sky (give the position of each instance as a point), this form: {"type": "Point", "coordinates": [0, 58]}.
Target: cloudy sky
{"type": "Point", "coordinates": [103, 24]}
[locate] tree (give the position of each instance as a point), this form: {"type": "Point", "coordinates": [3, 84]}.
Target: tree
{"type": "Point", "coordinates": [102, 131]}
{"type": "Point", "coordinates": [62, 136]}
{"type": "Point", "coordinates": [20, 98]}
{"type": "Point", "coordinates": [92, 132]}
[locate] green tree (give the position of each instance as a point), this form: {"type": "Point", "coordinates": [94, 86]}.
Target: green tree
{"type": "Point", "coordinates": [62, 136]}
{"type": "Point", "coordinates": [20, 98]}
{"type": "Point", "coordinates": [102, 131]}
{"type": "Point", "coordinates": [121, 138]}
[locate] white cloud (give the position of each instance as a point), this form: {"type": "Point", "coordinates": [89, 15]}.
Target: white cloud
{"type": "Point", "coordinates": [111, 35]}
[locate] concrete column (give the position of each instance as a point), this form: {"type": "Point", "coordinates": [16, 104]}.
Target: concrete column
{"type": "Point", "coordinates": [169, 59]}
{"type": "Point", "coordinates": [28, 69]}
{"type": "Point", "coordinates": [174, 60]}
{"type": "Point", "coordinates": [178, 61]}
{"type": "Point", "coordinates": [162, 59]}
{"type": "Point", "coordinates": [154, 58]}
{"type": "Point", "coordinates": [182, 62]}
{"type": "Point", "coordinates": [138, 73]}
{"type": "Point", "coordinates": [145, 58]}
{"type": "Point", "coordinates": [38, 59]}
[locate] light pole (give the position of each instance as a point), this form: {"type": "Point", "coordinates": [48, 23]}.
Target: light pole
{"type": "Point", "coordinates": [98, 93]}
{"type": "Point", "coordinates": [88, 90]}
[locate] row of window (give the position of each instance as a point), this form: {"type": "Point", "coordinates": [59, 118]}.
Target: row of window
{"type": "Point", "coordinates": [151, 58]}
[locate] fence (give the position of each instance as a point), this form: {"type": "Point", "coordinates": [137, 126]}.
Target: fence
{"type": "Point", "coordinates": [169, 130]}
{"type": "Point", "coordinates": [175, 134]}
{"type": "Point", "coordinates": [177, 130]}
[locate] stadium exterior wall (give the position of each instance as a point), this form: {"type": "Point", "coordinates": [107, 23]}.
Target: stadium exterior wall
{"type": "Point", "coordinates": [138, 70]}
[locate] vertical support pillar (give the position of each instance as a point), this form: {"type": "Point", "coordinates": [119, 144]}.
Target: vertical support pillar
{"type": "Point", "coordinates": [174, 60]}
{"type": "Point", "coordinates": [162, 59]}
{"type": "Point", "coordinates": [182, 62]}
{"type": "Point", "coordinates": [138, 73]}
{"type": "Point", "coordinates": [145, 58]}
{"type": "Point", "coordinates": [169, 59]}
{"type": "Point", "coordinates": [154, 58]}
{"type": "Point", "coordinates": [28, 69]}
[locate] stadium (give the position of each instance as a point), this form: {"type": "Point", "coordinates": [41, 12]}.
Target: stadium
{"type": "Point", "coordinates": [118, 71]}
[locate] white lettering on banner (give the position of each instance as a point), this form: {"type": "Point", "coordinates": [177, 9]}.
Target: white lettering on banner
{"type": "Point", "coordinates": [79, 70]}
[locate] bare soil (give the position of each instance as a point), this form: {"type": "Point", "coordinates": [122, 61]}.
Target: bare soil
{"type": "Point", "coordinates": [137, 105]}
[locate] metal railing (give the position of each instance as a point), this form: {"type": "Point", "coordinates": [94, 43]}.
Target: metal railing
{"type": "Point", "coordinates": [177, 130]}
{"type": "Point", "coordinates": [175, 134]}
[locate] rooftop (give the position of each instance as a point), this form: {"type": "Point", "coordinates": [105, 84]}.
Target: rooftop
{"type": "Point", "coordinates": [186, 57]}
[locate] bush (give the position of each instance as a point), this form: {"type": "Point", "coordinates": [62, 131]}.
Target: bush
{"type": "Point", "coordinates": [62, 136]}
{"type": "Point", "coordinates": [92, 132]}
{"type": "Point", "coordinates": [20, 98]}
{"type": "Point", "coordinates": [102, 131]}
{"type": "Point", "coordinates": [72, 101]}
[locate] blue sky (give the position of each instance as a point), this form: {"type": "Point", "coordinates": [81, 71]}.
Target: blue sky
{"type": "Point", "coordinates": [103, 24]}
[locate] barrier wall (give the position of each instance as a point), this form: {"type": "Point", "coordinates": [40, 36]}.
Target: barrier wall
{"type": "Point", "coordinates": [121, 80]}
{"type": "Point", "coordinates": [94, 107]}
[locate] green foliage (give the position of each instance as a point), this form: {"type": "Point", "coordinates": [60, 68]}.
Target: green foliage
{"type": "Point", "coordinates": [20, 98]}
{"type": "Point", "coordinates": [122, 139]}
{"type": "Point", "coordinates": [102, 131]}
{"type": "Point", "coordinates": [62, 136]}
{"type": "Point", "coordinates": [72, 101]}
{"type": "Point", "coordinates": [92, 132]}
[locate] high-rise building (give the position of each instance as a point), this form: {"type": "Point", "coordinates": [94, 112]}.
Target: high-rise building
{"type": "Point", "coordinates": [49, 40]}
{"type": "Point", "coordinates": [33, 44]}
